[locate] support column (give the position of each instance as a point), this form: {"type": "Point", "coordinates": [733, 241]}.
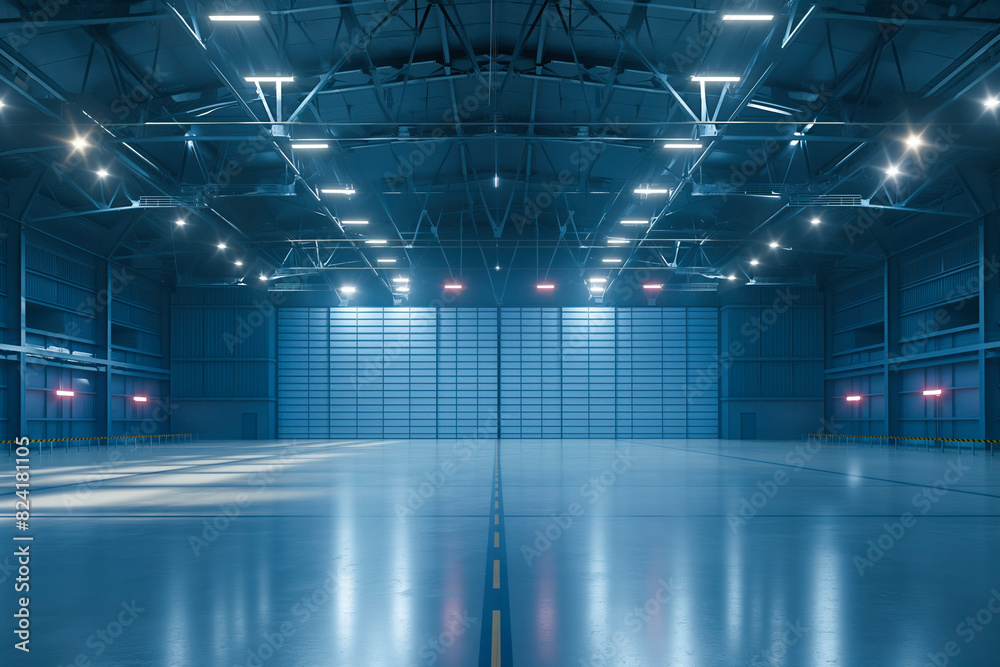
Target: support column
{"type": "Point", "coordinates": [102, 326]}
{"type": "Point", "coordinates": [989, 326]}
{"type": "Point", "coordinates": [890, 313]}
{"type": "Point", "coordinates": [14, 251]}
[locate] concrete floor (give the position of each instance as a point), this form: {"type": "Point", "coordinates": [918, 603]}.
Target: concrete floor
{"type": "Point", "coordinates": [372, 553]}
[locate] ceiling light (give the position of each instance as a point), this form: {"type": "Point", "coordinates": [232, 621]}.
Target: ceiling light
{"type": "Point", "coordinates": [337, 191]}
{"type": "Point", "coordinates": [767, 107]}
{"type": "Point", "coordinates": [611, 260]}
{"type": "Point", "coordinates": [309, 146]}
{"type": "Point", "coordinates": [64, 392]}
{"type": "Point", "coordinates": [773, 244]}
{"type": "Point", "coordinates": [102, 173]}
{"type": "Point", "coordinates": [597, 289]}
{"type": "Point", "coordinates": [403, 288]}
{"type": "Point", "coordinates": [221, 246]}
{"type": "Point", "coordinates": [139, 399]}
{"type": "Point", "coordinates": [180, 222]}
{"type": "Point", "coordinates": [270, 79]}
{"type": "Point", "coordinates": [731, 276]}
{"type": "Point", "coordinates": [232, 18]}
{"type": "Point", "coordinates": [238, 262]}
{"type": "Point", "coordinates": [548, 286]}
{"type": "Point", "coordinates": [682, 143]}
{"type": "Point", "coordinates": [496, 180]}
{"type": "Point", "coordinates": [401, 279]}
{"type": "Point", "coordinates": [747, 17]}
{"type": "Point", "coordinates": [1, 104]}
{"type": "Point", "coordinates": [354, 222]}
{"type": "Point", "coordinates": [815, 221]}
{"type": "Point", "coordinates": [914, 141]}
{"type": "Point", "coordinates": [497, 267]}
{"type": "Point", "coordinates": [386, 260]}
{"type": "Point", "coordinates": [452, 286]}
{"type": "Point", "coordinates": [376, 241]}
{"type": "Point", "coordinates": [892, 171]}
{"type": "Point", "coordinates": [991, 102]}
{"type": "Point", "coordinates": [754, 262]}
{"type": "Point", "coordinates": [348, 289]}
{"type": "Point", "coordinates": [635, 222]}
{"type": "Point", "coordinates": [262, 277]}
{"type": "Point", "coordinates": [852, 399]}
{"type": "Point", "coordinates": [932, 392]}
{"type": "Point", "coordinates": [656, 286]}
{"type": "Point", "coordinates": [79, 143]}
{"type": "Point", "coordinates": [598, 280]}
{"type": "Point", "coordinates": [614, 241]}
{"type": "Point", "coordinates": [714, 78]}
{"type": "Point", "coordinates": [646, 190]}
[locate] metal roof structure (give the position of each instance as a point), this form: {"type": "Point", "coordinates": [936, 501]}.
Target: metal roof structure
{"type": "Point", "coordinates": [497, 145]}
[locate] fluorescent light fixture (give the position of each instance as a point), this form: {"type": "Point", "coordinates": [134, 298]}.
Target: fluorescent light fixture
{"type": "Point", "coordinates": [754, 262]}
{"type": "Point", "coordinates": [611, 260]}
{"type": "Point", "coordinates": [79, 143]}
{"type": "Point", "coordinates": [221, 246]}
{"type": "Point", "coordinates": [139, 399]}
{"type": "Point", "coordinates": [773, 244]}
{"type": "Point", "coordinates": [269, 79]}
{"type": "Point", "coordinates": [496, 180]}
{"type": "Point", "coordinates": [598, 280]}
{"type": "Point", "coordinates": [635, 222]}
{"type": "Point", "coordinates": [310, 146]}
{"type": "Point", "coordinates": [337, 191]}
{"type": "Point", "coordinates": [682, 143]}
{"type": "Point", "coordinates": [263, 277]}
{"type": "Point", "coordinates": [233, 18]}
{"type": "Point", "coordinates": [64, 392]}
{"type": "Point", "coordinates": [597, 289]}
{"type": "Point", "coordinates": [747, 17]}
{"type": "Point", "coordinates": [815, 221]}
{"type": "Point", "coordinates": [767, 107]}
{"type": "Point", "coordinates": [614, 241]}
{"type": "Point", "coordinates": [180, 222]}
{"type": "Point", "coordinates": [656, 286]}
{"type": "Point", "coordinates": [715, 78]}
{"type": "Point", "coordinates": [731, 276]}
{"type": "Point", "coordinates": [354, 222]}
{"type": "Point", "coordinates": [892, 171]}
{"type": "Point", "coordinates": [932, 392]}
{"type": "Point", "coordinates": [452, 286]}
{"type": "Point", "coordinates": [386, 260]}
{"type": "Point", "coordinates": [376, 241]}
{"type": "Point", "coordinates": [401, 279]}
{"type": "Point", "coordinates": [403, 288]}
{"type": "Point", "coordinates": [238, 262]}
{"type": "Point", "coordinates": [914, 141]}
{"type": "Point", "coordinates": [348, 289]}
{"type": "Point", "coordinates": [548, 286]}
{"type": "Point", "coordinates": [102, 173]}
{"type": "Point", "coordinates": [852, 399]}
{"type": "Point", "coordinates": [991, 102]}
{"type": "Point", "coordinates": [645, 190]}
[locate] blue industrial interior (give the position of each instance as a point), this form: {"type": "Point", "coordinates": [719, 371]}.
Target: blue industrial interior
{"type": "Point", "coordinates": [283, 283]}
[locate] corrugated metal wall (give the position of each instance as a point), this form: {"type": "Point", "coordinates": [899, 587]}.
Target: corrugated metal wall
{"type": "Point", "coordinates": [570, 372]}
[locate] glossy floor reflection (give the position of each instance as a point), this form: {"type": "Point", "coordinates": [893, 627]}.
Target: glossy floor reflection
{"type": "Point", "coordinates": [373, 553]}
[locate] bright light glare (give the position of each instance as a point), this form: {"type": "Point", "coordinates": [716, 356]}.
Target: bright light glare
{"type": "Point", "coordinates": [747, 17]}
{"type": "Point", "coordinates": [773, 244]}
{"type": "Point", "coordinates": [238, 262]}
{"type": "Point", "coordinates": [732, 276]}
{"type": "Point", "coordinates": [853, 399]}
{"type": "Point", "coordinates": [354, 222]}
{"type": "Point", "coordinates": [614, 241]}
{"type": "Point", "coordinates": [932, 392]}
{"type": "Point", "coordinates": [545, 286]}
{"type": "Point", "coordinates": [914, 141]}
{"type": "Point", "coordinates": [754, 262]}
{"type": "Point", "coordinates": [635, 222]}
{"type": "Point", "coordinates": [656, 286]}
{"type": "Point", "coordinates": [815, 221]}
{"type": "Point", "coordinates": [376, 241]}
{"type": "Point", "coordinates": [611, 260]}
{"type": "Point", "coordinates": [263, 277]}
{"type": "Point", "coordinates": [454, 286]}
{"type": "Point", "coordinates": [64, 392]}
{"type": "Point", "coordinates": [309, 146]}
{"type": "Point", "coordinates": [139, 399]}
{"type": "Point", "coordinates": [715, 78]}
{"type": "Point", "coordinates": [386, 260]}
{"type": "Point", "coordinates": [79, 143]}
{"type": "Point", "coordinates": [682, 144]}
{"type": "Point", "coordinates": [221, 246]}
{"type": "Point", "coordinates": [892, 171]}
{"type": "Point", "coordinates": [337, 191]}
{"type": "Point", "coordinates": [348, 289]}
{"type": "Point", "coordinates": [102, 173]}
{"type": "Point", "coordinates": [991, 102]}
{"type": "Point", "coordinates": [401, 279]}
{"type": "Point", "coordinates": [180, 222]}
{"type": "Point", "coordinates": [270, 79]}
{"type": "Point", "coordinates": [233, 18]}
{"type": "Point", "coordinates": [651, 191]}
{"type": "Point", "coordinates": [598, 280]}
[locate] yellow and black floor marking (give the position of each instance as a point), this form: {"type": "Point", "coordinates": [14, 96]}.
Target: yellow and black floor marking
{"type": "Point", "coordinates": [494, 643]}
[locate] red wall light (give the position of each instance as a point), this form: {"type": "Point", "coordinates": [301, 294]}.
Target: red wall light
{"type": "Point", "coordinates": [139, 399]}
{"type": "Point", "coordinates": [853, 399]}
{"type": "Point", "coordinates": [932, 392]}
{"type": "Point", "coordinates": [64, 392]}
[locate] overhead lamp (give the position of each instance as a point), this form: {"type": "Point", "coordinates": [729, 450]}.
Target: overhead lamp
{"type": "Point", "coordinates": [747, 17]}
{"type": "Point", "coordinates": [652, 286]}
{"type": "Point", "coordinates": [233, 18]}
{"type": "Point", "coordinates": [545, 286]}
{"type": "Point", "coordinates": [852, 399]}
{"type": "Point", "coordinates": [386, 260]}
{"type": "Point", "coordinates": [616, 241]}
{"type": "Point", "coordinates": [102, 173]}
{"type": "Point", "coordinates": [768, 107]}
{"type": "Point", "coordinates": [238, 262]}
{"type": "Point", "coordinates": [731, 276]}
{"type": "Point", "coordinates": [754, 262]}
{"type": "Point", "coordinates": [706, 79]}
{"type": "Point", "coordinates": [611, 260]}
{"type": "Point", "coordinates": [497, 267]}
{"type": "Point", "coordinates": [496, 180]}
{"type": "Point", "coordinates": [815, 221]}
{"type": "Point", "coordinates": [991, 102]}
{"type": "Point", "coordinates": [221, 246]}
{"type": "Point", "coordinates": [348, 289]}
{"type": "Point", "coordinates": [932, 392]}
{"type": "Point", "coordinates": [376, 241]}
{"type": "Point", "coordinates": [598, 280]}
{"type": "Point", "coordinates": [634, 222]}
{"type": "Point", "coordinates": [309, 146]}
{"type": "Point", "coordinates": [180, 222]}
{"type": "Point", "coordinates": [682, 143]}
{"type": "Point", "coordinates": [401, 279]}
{"type": "Point", "coordinates": [914, 141]}
{"type": "Point", "coordinates": [269, 79]}
{"type": "Point", "coordinates": [337, 191]}
{"type": "Point", "coordinates": [773, 244]}
{"type": "Point", "coordinates": [139, 399]}
{"type": "Point", "coordinates": [79, 143]}
{"type": "Point", "coordinates": [646, 190]}
{"type": "Point", "coordinates": [892, 171]}
{"type": "Point", "coordinates": [452, 286]}
{"type": "Point", "coordinates": [262, 277]}
{"type": "Point", "coordinates": [597, 289]}
{"type": "Point", "coordinates": [1, 104]}
{"type": "Point", "coordinates": [354, 222]}
{"type": "Point", "coordinates": [64, 392]}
